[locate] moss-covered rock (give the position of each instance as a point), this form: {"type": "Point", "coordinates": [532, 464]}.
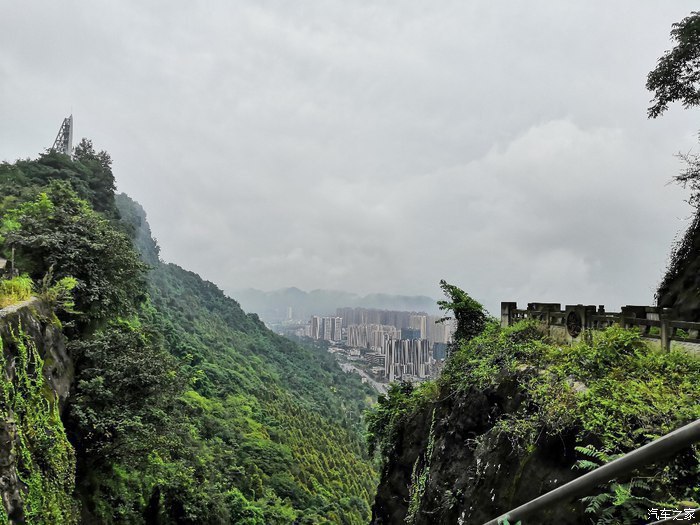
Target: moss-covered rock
{"type": "Point", "coordinates": [37, 463]}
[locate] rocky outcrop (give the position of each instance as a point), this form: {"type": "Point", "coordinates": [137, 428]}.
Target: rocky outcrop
{"type": "Point", "coordinates": [37, 463]}
{"type": "Point", "coordinates": [37, 322]}
{"type": "Point", "coordinates": [514, 415]}
{"type": "Point", "coordinates": [451, 465]}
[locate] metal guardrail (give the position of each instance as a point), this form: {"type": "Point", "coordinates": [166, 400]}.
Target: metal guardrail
{"type": "Point", "coordinates": [581, 486]}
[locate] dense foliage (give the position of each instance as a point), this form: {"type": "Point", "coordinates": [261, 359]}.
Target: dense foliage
{"type": "Point", "coordinates": [89, 175]}
{"type": "Point", "coordinates": [677, 78]}
{"type": "Point", "coordinates": [470, 315]}
{"type": "Point", "coordinates": [615, 388]}
{"type": "Point", "coordinates": [277, 420]}
{"type": "Point", "coordinates": [30, 417]}
{"type": "Point", "coordinates": [15, 290]}
{"type": "Point", "coordinates": [677, 74]}
{"type": "Point", "coordinates": [59, 232]}
{"type": "Point", "coordinates": [613, 394]}
{"type": "Point", "coordinates": [184, 408]}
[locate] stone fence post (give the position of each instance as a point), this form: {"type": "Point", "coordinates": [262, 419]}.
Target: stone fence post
{"type": "Point", "coordinates": [507, 313]}
{"type": "Point", "coordinates": [665, 332]}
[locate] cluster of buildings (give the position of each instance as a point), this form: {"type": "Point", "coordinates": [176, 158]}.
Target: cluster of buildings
{"type": "Point", "coordinates": [326, 328]}
{"type": "Point", "coordinates": [407, 358]}
{"type": "Point", "coordinates": [370, 336]}
{"type": "Point", "coordinates": [392, 344]}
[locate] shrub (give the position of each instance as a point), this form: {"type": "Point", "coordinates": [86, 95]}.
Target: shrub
{"type": "Point", "coordinates": [15, 290]}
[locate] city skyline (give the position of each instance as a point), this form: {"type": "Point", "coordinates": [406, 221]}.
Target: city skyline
{"type": "Point", "coordinates": [388, 345]}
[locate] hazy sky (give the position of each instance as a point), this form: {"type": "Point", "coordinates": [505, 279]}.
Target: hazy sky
{"type": "Point", "coordinates": [371, 146]}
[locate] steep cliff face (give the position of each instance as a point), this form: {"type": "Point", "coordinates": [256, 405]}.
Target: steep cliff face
{"type": "Point", "coordinates": [514, 416]}
{"type": "Point", "coordinates": [37, 463]}
{"type": "Point", "coordinates": [453, 464]}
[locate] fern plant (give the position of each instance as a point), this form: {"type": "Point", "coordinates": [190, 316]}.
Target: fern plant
{"type": "Point", "coordinates": [59, 294]}
{"type": "Point", "coordinates": [619, 503]}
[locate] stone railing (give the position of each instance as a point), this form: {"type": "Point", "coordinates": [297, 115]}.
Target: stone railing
{"type": "Point", "coordinates": [573, 321]}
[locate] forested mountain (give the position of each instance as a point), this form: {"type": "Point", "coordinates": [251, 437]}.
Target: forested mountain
{"type": "Point", "coordinates": [183, 409]}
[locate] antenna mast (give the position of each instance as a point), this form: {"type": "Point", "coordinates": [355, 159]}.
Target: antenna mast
{"type": "Point", "coordinates": [64, 139]}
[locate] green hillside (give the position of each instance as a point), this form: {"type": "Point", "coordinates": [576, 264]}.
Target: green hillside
{"type": "Point", "coordinates": [184, 408]}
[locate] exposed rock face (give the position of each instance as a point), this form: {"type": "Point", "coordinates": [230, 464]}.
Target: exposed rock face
{"type": "Point", "coordinates": [32, 321]}
{"type": "Point", "coordinates": [36, 321]}
{"type": "Point", "coordinates": [471, 472]}
{"type": "Point", "coordinates": [10, 486]}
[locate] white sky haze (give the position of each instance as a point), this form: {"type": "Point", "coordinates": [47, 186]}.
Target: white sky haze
{"type": "Point", "coordinates": [371, 146]}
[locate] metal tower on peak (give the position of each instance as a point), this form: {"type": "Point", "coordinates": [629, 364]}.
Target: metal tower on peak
{"type": "Point", "coordinates": [64, 139]}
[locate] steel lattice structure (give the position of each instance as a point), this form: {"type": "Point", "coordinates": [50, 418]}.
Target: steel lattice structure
{"type": "Point", "coordinates": [64, 139]}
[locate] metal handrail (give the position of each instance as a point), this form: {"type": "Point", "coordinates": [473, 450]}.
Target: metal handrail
{"type": "Point", "coordinates": [648, 454]}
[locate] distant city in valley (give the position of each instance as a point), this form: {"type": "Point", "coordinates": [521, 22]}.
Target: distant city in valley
{"type": "Point", "coordinates": [273, 306]}
{"type": "Point", "coordinates": [380, 345]}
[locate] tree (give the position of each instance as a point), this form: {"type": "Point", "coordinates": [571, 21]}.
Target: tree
{"type": "Point", "coordinates": [89, 174]}
{"type": "Point", "coordinates": [125, 389]}
{"type": "Point", "coordinates": [59, 230]}
{"type": "Point", "coordinates": [123, 420]}
{"type": "Point", "coordinates": [677, 78]}
{"type": "Point", "coordinates": [469, 313]}
{"type": "Point", "coordinates": [677, 73]}
{"type": "Point", "coordinates": [85, 151]}
{"type": "Point", "coordinates": [101, 180]}
{"type": "Point", "coordinates": [689, 177]}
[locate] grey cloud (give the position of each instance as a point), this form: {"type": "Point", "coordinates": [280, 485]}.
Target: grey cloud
{"type": "Point", "coordinates": [371, 146]}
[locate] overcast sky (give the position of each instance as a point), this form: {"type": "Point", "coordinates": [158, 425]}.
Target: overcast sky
{"type": "Point", "coordinates": [371, 146]}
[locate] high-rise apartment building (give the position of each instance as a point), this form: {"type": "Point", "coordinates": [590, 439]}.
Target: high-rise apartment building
{"type": "Point", "coordinates": [315, 327]}
{"type": "Point", "coordinates": [411, 333]}
{"type": "Point", "coordinates": [419, 322]}
{"type": "Point", "coordinates": [336, 328]}
{"type": "Point", "coordinates": [371, 336]}
{"type": "Point", "coordinates": [326, 328]}
{"type": "Point", "coordinates": [407, 357]}
{"type": "Point", "coordinates": [439, 332]}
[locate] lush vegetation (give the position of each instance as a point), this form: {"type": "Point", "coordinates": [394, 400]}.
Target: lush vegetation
{"type": "Point", "coordinates": [676, 78]}
{"type": "Point", "coordinates": [29, 413]}
{"type": "Point", "coordinates": [58, 230]}
{"type": "Point", "coordinates": [613, 392]}
{"type": "Point", "coordinates": [469, 313]}
{"type": "Point", "coordinates": [184, 408]}
{"type": "Point", "coordinates": [615, 387]}
{"type": "Point", "coordinates": [88, 173]}
{"type": "Point", "coordinates": [15, 290]}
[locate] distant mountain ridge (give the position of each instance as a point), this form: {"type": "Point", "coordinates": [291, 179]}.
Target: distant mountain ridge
{"type": "Point", "coordinates": [273, 306]}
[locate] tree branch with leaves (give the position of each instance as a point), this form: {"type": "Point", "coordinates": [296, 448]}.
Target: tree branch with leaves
{"type": "Point", "coordinates": [677, 73]}
{"type": "Point", "coordinates": [470, 315]}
